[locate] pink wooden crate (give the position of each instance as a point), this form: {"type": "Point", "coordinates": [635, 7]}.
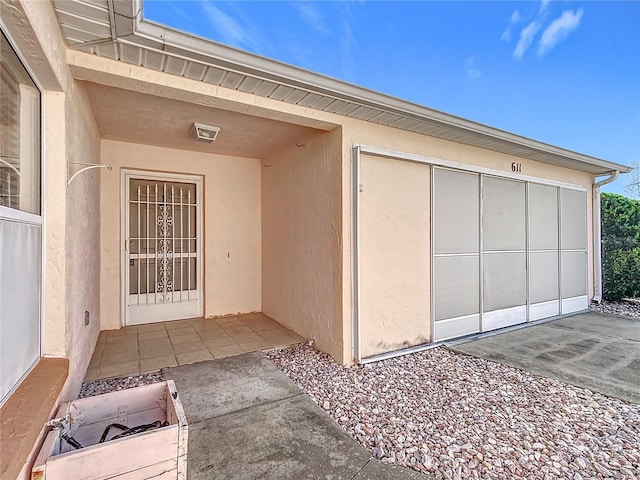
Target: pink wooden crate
{"type": "Point", "coordinates": [160, 453]}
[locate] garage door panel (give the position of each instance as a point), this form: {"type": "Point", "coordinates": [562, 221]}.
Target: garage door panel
{"type": "Point", "coordinates": [457, 327]}
{"type": "Point", "coordinates": [504, 318]}
{"type": "Point", "coordinates": [456, 286]}
{"type": "Point", "coordinates": [504, 280]}
{"type": "Point", "coordinates": [574, 219]}
{"type": "Point", "coordinates": [456, 212]}
{"type": "Point", "coordinates": [503, 214]}
{"type": "Point", "coordinates": [543, 276]}
{"type": "Point", "coordinates": [394, 255]}
{"type": "Point", "coordinates": [543, 217]}
{"type": "Point", "coordinates": [575, 304]}
{"type": "Point", "coordinates": [574, 274]}
{"type": "Point", "coordinates": [573, 256]}
{"type": "Point", "coordinates": [538, 311]}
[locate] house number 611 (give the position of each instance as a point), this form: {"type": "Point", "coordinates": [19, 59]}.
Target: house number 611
{"type": "Point", "coordinates": [516, 167]}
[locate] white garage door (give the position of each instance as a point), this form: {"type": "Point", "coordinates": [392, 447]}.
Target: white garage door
{"type": "Point", "coordinates": [505, 252]}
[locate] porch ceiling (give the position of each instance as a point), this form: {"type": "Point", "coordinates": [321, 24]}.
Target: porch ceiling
{"type": "Point", "coordinates": [136, 117]}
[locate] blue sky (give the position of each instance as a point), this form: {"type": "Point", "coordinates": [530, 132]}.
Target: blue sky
{"type": "Point", "coordinates": [562, 72]}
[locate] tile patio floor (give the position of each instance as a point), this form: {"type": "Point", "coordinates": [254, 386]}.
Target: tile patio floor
{"type": "Point", "coordinates": [148, 348]}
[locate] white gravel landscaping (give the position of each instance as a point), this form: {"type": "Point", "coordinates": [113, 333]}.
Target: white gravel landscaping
{"type": "Point", "coordinates": [457, 416]}
{"type": "Point", "coordinates": [625, 308]}
{"type": "Point", "coordinates": [98, 387]}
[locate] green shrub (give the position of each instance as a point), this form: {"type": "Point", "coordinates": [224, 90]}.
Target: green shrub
{"type": "Point", "coordinates": [620, 246]}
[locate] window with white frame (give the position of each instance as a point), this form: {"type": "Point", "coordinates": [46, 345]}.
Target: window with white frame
{"type": "Point", "coordinates": [20, 137]}
{"type": "Point", "coordinates": [20, 221]}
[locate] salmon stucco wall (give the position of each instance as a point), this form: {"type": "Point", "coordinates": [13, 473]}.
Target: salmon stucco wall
{"type": "Point", "coordinates": [301, 239]}
{"type": "Point", "coordinates": [395, 274]}
{"type": "Point", "coordinates": [82, 244]}
{"type": "Point", "coordinates": [231, 215]}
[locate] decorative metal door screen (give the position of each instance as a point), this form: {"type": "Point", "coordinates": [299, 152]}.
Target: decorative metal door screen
{"type": "Point", "coordinates": [163, 255]}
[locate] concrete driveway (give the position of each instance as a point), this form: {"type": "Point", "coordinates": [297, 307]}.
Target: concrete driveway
{"type": "Point", "coordinates": [590, 350]}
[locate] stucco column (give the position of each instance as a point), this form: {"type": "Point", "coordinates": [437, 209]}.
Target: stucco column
{"type": "Point", "coordinates": [54, 217]}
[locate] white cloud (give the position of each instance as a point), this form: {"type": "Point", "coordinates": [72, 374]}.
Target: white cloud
{"type": "Point", "coordinates": [312, 16]}
{"type": "Point", "coordinates": [473, 72]}
{"type": "Point", "coordinates": [297, 51]}
{"type": "Point", "coordinates": [348, 13]}
{"type": "Point", "coordinates": [179, 11]}
{"type": "Point", "coordinates": [348, 43]}
{"type": "Point", "coordinates": [231, 30]}
{"type": "Point", "coordinates": [559, 29]}
{"type": "Point", "coordinates": [544, 5]}
{"type": "Point", "coordinates": [555, 32]}
{"type": "Point", "coordinates": [526, 39]}
{"type": "Point", "coordinates": [515, 18]}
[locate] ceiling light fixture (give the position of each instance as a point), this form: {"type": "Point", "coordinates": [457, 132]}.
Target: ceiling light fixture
{"type": "Point", "coordinates": [204, 133]}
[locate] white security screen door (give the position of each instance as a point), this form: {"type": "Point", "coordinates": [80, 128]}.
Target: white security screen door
{"type": "Point", "coordinates": [162, 258]}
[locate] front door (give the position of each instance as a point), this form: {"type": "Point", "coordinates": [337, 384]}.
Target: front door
{"type": "Point", "coordinates": [162, 258]}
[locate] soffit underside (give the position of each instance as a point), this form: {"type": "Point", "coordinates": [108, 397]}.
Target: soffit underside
{"type": "Point", "coordinates": [167, 122]}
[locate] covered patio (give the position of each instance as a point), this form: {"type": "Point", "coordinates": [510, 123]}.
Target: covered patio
{"type": "Point", "coordinates": [146, 348]}
{"type": "Point", "coordinates": [211, 231]}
